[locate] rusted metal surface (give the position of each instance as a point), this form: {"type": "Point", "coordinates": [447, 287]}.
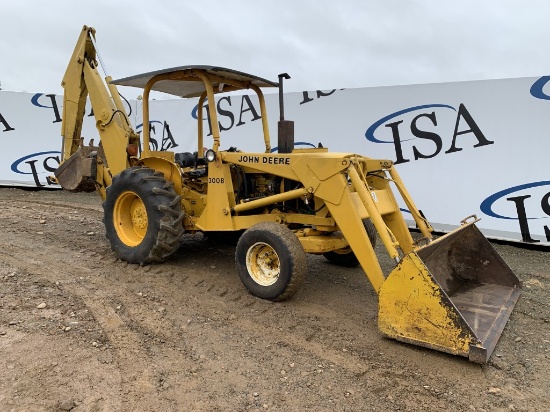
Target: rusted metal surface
{"type": "Point", "coordinates": [78, 172]}
{"type": "Point", "coordinates": [477, 281]}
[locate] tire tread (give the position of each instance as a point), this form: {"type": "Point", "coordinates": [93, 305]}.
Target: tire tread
{"type": "Point", "coordinates": [166, 204]}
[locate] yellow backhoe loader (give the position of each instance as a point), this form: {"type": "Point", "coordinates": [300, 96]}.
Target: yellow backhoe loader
{"type": "Point", "coordinates": [453, 293]}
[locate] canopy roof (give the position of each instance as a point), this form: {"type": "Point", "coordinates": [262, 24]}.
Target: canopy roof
{"type": "Point", "coordinates": [190, 86]}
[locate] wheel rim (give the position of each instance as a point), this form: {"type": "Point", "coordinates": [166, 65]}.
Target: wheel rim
{"type": "Point", "coordinates": [263, 264]}
{"type": "Point", "coordinates": [130, 218]}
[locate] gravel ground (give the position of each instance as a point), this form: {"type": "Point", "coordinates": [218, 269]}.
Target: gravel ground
{"type": "Point", "coordinates": [82, 331]}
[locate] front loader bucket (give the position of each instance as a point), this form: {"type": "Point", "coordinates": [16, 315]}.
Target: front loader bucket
{"type": "Point", "coordinates": [454, 295]}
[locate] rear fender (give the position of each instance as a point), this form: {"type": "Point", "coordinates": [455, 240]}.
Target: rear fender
{"type": "Point", "coordinates": [170, 171]}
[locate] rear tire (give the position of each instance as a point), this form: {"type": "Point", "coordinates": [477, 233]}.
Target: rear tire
{"type": "Point", "coordinates": [142, 216]}
{"type": "Point", "coordinates": [345, 257]}
{"type": "Point", "coordinates": [271, 261]}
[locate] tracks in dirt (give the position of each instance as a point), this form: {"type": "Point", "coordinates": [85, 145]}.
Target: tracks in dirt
{"type": "Point", "coordinates": [185, 335]}
{"type": "Point", "coordinates": [184, 309]}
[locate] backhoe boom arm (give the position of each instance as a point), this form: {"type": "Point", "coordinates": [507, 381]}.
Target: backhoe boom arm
{"type": "Point", "coordinates": [81, 80]}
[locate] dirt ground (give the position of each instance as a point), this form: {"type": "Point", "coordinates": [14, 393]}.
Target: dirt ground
{"type": "Point", "coordinates": [83, 331]}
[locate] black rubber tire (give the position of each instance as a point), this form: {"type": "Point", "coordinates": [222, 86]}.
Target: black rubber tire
{"type": "Point", "coordinates": [346, 257]}
{"type": "Point", "coordinates": [163, 228]}
{"type": "Point", "coordinates": [229, 238]}
{"type": "Point", "coordinates": [291, 264]}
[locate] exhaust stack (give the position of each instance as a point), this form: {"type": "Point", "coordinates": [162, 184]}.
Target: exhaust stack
{"type": "Point", "coordinates": [285, 135]}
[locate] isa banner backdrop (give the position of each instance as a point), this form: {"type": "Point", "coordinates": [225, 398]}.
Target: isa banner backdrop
{"type": "Point", "coordinates": [462, 148]}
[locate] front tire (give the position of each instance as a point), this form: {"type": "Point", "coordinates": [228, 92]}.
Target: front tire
{"type": "Point", "coordinates": [271, 261]}
{"type": "Point", "coordinates": [142, 216]}
{"type": "Point", "coordinates": [345, 257]}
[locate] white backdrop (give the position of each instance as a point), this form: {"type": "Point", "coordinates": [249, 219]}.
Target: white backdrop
{"type": "Point", "coordinates": [462, 148]}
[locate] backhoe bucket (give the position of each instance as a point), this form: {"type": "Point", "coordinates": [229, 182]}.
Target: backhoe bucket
{"type": "Point", "coordinates": [454, 295]}
{"type": "Point", "coordinates": [78, 172]}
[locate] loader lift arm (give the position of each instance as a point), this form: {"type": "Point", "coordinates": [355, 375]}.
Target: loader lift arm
{"type": "Point", "coordinates": [453, 294]}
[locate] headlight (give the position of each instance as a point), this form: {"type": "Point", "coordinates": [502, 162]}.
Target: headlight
{"type": "Point", "coordinates": [210, 156]}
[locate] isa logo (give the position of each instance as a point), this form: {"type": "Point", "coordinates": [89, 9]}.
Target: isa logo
{"type": "Point", "coordinates": [427, 131]}
{"type": "Point", "coordinates": [49, 101]}
{"type": "Point", "coordinates": [528, 204]}
{"type": "Point", "coordinates": [37, 164]}
{"type": "Point", "coordinates": [537, 89]}
{"type": "Point", "coordinates": [161, 141]}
